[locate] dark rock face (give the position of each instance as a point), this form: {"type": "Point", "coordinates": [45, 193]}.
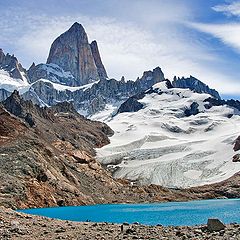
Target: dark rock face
{"type": "Point", "coordinates": [15, 105]}
{"type": "Point", "coordinates": [233, 103]}
{"type": "Point", "coordinates": [131, 105]}
{"type": "Point", "coordinates": [149, 78]}
{"type": "Point", "coordinates": [97, 59]}
{"type": "Point", "coordinates": [210, 102]}
{"type": "Point", "coordinates": [237, 144]}
{"type": "Point", "coordinates": [64, 107]}
{"type": "Point", "coordinates": [51, 72]}
{"type": "Point", "coordinates": [194, 84]}
{"type": "Point", "coordinates": [10, 64]}
{"type": "Point", "coordinates": [236, 158]}
{"type": "Point", "coordinates": [193, 110]}
{"type": "Point", "coordinates": [4, 94]}
{"type": "Point", "coordinates": [72, 52]}
{"type": "Point", "coordinates": [24, 109]}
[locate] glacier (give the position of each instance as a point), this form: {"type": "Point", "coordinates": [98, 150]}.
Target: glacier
{"type": "Point", "coordinates": [160, 145]}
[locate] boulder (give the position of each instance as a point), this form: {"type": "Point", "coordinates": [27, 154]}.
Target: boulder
{"type": "Point", "coordinates": [214, 224]}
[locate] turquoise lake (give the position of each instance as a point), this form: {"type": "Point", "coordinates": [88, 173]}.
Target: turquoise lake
{"type": "Point", "coordinates": [171, 213]}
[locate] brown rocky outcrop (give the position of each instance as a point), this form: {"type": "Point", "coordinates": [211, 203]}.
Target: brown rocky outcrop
{"type": "Point", "coordinates": [38, 162]}
{"type": "Point", "coordinates": [228, 188]}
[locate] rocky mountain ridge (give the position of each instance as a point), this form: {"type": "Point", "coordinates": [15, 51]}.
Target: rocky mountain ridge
{"type": "Point", "coordinates": [46, 157]}
{"type": "Point", "coordinates": [194, 84]}
{"type": "Point", "coordinates": [94, 98]}
{"type": "Point", "coordinates": [74, 72]}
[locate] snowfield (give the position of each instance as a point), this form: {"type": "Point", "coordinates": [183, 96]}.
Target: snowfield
{"type": "Point", "coordinates": [10, 84]}
{"type": "Point", "coordinates": [160, 145]}
{"type": "Point", "coordinates": [60, 87]}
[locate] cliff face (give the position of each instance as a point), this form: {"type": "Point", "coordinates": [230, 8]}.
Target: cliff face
{"type": "Point", "coordinates": [97, 59]}
{"type": "Point", "coordinates": [72, 52]}
{"type": "Point", "coordinates": [72, 61]}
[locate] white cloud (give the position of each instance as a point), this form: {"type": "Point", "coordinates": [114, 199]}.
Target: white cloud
{"type": "Point", "coordinates": [228, 33]}
{"type": "Point", "coordinates": [232, 9]}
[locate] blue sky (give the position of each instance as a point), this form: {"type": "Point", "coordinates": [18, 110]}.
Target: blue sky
{"type": "Point", "coordinates": [183, 37]}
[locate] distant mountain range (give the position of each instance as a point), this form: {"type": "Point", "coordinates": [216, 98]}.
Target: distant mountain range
{"type": "Point", "coordinates": [74, 72]}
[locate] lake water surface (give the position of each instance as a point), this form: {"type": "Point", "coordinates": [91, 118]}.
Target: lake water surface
{"type": "Point", "coordinates": [171, 213]}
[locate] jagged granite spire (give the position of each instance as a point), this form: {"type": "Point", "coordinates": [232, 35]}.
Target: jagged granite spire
{"type": "Point", "coordinates": [72, 52]}
{"type": "Point", "coordinates": [11, 64]}
{"type": "Point", "coordinates": [194, 84]}
{"type": "Point", "coordinates": [97, 59]}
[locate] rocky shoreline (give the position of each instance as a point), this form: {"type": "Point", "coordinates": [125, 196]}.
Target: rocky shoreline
{"type": "Point", "coordinates": [15, 225]}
